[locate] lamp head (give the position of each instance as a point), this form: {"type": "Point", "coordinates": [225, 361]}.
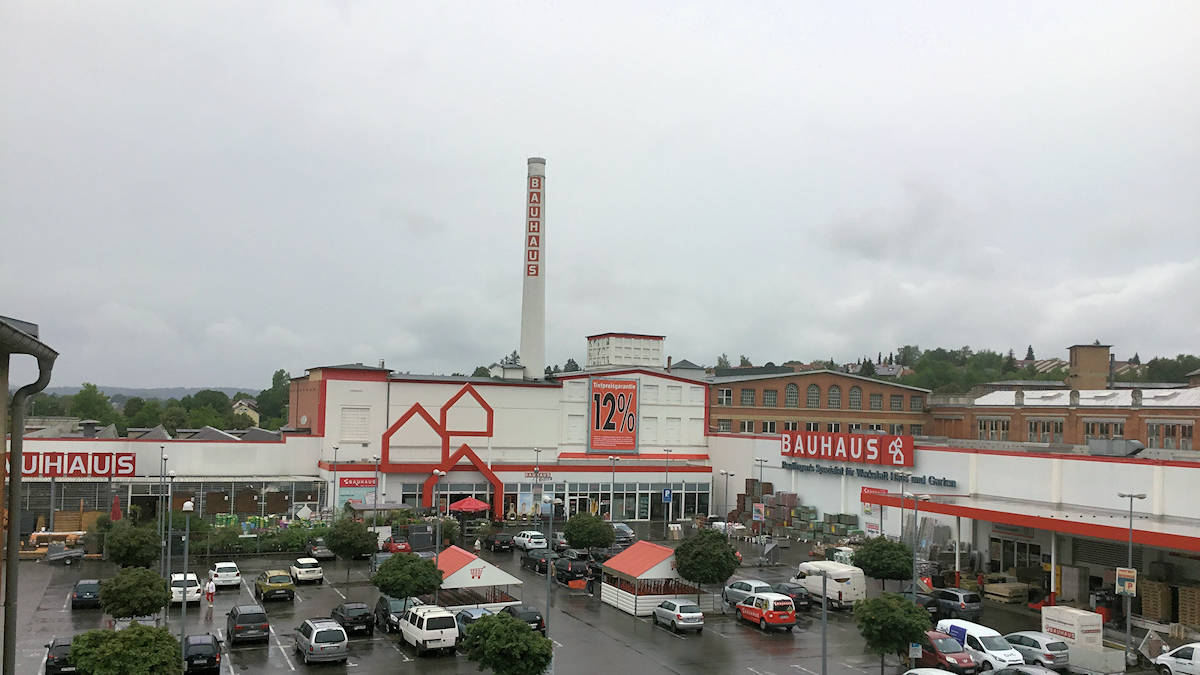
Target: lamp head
{"type": "Point", "coordinates": [171, 473]}
{"type": "Point", "coordinates": [188, 507]}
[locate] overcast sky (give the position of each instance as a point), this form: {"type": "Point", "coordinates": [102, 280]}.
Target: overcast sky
{"type": "Point", "coordinates": [199, 193]}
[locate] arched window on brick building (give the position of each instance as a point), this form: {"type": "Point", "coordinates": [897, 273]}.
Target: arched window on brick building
{"type": "Point", "coordinates": [814, 396]}
{"type": "Point", "coordinates": [791, 396]}
{"type": "Point", "coordinates": [835, 396]}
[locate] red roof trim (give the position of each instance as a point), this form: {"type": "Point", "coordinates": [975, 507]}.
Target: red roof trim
{"type": "Point", "coordinates": [1070, 457]}
{"type": "Point", "coordinates": [548, 468]}
{"type": "Point", "coordinates": [498, 383]}
{"type": "Point", "coordinates": [639, 558]}
{"type": "Point", "coordinates": [354, 375]}
{"type": "Point", "coordinates": [629, 371]}
{"type": "Point", "coordinates": [627, 335]}
{"type": "Point", "coordinates": [604, 457]}
{"type": "Point", "coordinates": [453, 559]}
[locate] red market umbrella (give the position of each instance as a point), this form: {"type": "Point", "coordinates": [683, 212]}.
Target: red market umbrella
{"type": "Point", "coordinates": [469, 505]}
{"type": "Point", "coordinates": [115, 512]}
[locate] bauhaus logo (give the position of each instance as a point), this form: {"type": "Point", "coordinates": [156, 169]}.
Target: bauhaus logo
{"type": "Point", "coordinates": [857, 448]}
{"type": "Point", "coordinates": [76, 464]}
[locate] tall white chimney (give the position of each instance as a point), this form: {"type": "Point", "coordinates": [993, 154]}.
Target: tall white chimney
{"type": "Point", "coordinates": [533, 293]}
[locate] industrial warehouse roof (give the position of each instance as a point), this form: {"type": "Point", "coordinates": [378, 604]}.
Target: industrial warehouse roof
{"type": "Point", "coordinates": [1096, 398]}
{"type": "Point", "coordinates": [802, 373]}
{"type": "Point", "coordinates": [639, 558]}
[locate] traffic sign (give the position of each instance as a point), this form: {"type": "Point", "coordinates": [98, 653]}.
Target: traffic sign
{"type": "Point", "coordinates": [666, 495]}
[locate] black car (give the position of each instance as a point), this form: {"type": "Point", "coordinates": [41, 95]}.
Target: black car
{"type": "Point", "coordinates": [529, 615]}
{"type": "Point", "coordinates": [566, 570]}
{"type": "Point", "coordinates": [624, 536]}
{"type": "Point", "coordinates": [796, 592]}
{"type": "Point", "coordinates": [389, 610]}
{"type": "Point", "coordinates": [58, 653]}
{"type": "Point", "coordinates": [247, 622]}
{"type": "Point", "coordinates": [202, 654]}
{"type": "Point", "coordinates": [593, 557]}
{"type": "Point", "coordinates": [86, 593]}
{"type": "Point", "coordinates": [538, 559]}
{"type": "Point", "coordinates": [930, 604]}
{"type": "Point", "coordinates": [498, 541]}
{"type": "Point", "coordinates": [355, 617]}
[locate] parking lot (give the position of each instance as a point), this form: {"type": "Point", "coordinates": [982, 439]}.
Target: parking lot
{"type": "Point", "coordinates": [585, 632]}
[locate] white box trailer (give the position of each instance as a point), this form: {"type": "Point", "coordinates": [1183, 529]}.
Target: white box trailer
{"type": "Point", "coordinates": [1076, 627]}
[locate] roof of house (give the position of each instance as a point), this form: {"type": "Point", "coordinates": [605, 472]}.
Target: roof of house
{"type": "Point", "coordinates": [1194, 372]}
{"type": "Point", "coordinates": [258, 434]}
{"type": "Point", "coordinates": [349, 366]}
{"type": "Point", "coordinates": [635, 560]}
{"type": "Point", "coordinates": [158, 433]}
{"type": "Point", "coordinates": [750, 371]}
{"type": "Point", "coordinates": [412, 377]}
{"type": "Point", "coordinates": [685, 364]}
{"type": "Point", "coordinates": [641, 336]}
{"type": "Point", "coordinates": [211, 434]}
{"type": "Point", "coordinates": [805, 373]}
{"type": "Point", "coordinates": [1095, 398]}
{"type": "Point", "coordinates": [453, 559]}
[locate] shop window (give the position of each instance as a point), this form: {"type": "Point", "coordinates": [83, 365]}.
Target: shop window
{"type": "Point", "coordinates": [814, 396]}
{"type": "Point", "coordinates": [724, 397]}
{"type": "Point", "coordinates": [855, 398]}
{"type": "Point", "coordinates": [812, 426]}
{"type": "Point", "coordinates": [768, 427]}
{"type": "Point", "coordinates": [791, 396]}
{"type": "Point", "coordinates": [724, 426]}
{"type": "Point", "coordinates": [834, 399]}
{"type": "Point", "coordinates": [876, 401]}
{"type": "Point", "coordinates": [916, 403]}
{"type": "Point", "coordinates": [746, 426]}
{"type": "Point", "coordinates": [993, 430]}
{"type": "Point", "coordinates": [748, 397]}
{"type": "Point", "coordinates": [770, 398]}
{"type": "Point", "coordinates": [897, 402]}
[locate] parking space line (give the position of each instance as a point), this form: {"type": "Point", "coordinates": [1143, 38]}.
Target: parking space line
{"type": "Point", "coordinates": [281, 649]}
{"type": "Point", "coordinates": [804, 669]}
{"type": "Point", "coordinates": [397, 648]}
{"type": "Point", "coordinates": [855, 668]}
{"type": "Point", "coordinates": [68, 600]}
{"type": "Point", "coordinates": [335, 590]}
{"type": "Point", "coordinates": [670, 632]}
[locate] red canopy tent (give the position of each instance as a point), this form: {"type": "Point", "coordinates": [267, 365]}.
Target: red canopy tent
{"type": "Point", "coordinates": [469, 505]}
{"type": "Point", "coordinates": [115, 512]}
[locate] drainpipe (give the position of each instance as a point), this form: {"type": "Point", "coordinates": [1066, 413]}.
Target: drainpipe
{"type": "Point", "coordinates": [45, 365]}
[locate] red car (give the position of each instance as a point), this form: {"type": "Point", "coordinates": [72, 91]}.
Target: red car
{"type": "Point", "coordinates": [939, 650]}
{"type": "Point", "coordinates": [768, 610]}
{"type": "Point", "coordinates": [396, 545]}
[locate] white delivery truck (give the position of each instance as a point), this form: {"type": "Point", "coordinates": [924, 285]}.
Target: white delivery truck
{"type": "Point", "coordinates": [844, 586]}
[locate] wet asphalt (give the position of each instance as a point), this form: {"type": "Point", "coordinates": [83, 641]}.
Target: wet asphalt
{"type": "Point", "coordinates": [589, 637]}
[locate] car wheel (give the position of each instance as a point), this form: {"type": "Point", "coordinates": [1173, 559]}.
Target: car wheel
{"type": "Point", "coordinates": [985, 666]}
{"type": "Point", "coordinates": [674, 627]}
{"type": "Point", "coordinates": [739, 616]}
{"type": "Point", "coordinates": [699, 631]}
{"type": "Point", "coordinates": [321, 580]}
{"type": "Point", "coordinates": [789, 628]}
{"type": "Point", "coordinates": [654, 618]}
{"type": "Point", "coordinates": [762, 624]}
{"type": "Point", "coordinates": [1164, 670]}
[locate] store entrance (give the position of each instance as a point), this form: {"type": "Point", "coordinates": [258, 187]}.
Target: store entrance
{"type": "Point", "coordinates": [578, 505]}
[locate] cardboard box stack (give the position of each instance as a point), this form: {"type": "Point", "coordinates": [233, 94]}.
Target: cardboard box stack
{"type": "Point", "coordinates": [1156, 600]}
{"type": "Point", "coordinates": [1189, 606]}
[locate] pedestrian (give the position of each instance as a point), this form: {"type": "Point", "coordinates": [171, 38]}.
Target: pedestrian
{"type": "Point", "coordinates": [478, 546]}
{"type": "Point", "coordinates": [210, 591]}
{"type": "Point", "coordinates": [979, 580]}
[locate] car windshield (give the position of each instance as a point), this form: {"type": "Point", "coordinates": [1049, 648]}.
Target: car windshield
{"type": "Point", "coordinates": [355, 610]}
{"type": "Point", "coordinates": [318, 543]}
{"type": "Point", "coordinates": [90, 588]}
{"type": "Point", "coordinates": [689, 609]}
{"type": "Point", "coordinates": [947, 645]}
{"type": "Point", "coordinates": [994, 643]}
{"type": "Point", "coordinates": [970, 597]}
{"type": "Point", "coordinates": [396, 605]}
{"type": "Point", "coordinates": [252, 617]}
{"type": "Point", "coordinates": [60, 650]}
{"type": "Point", "coordinates": [307, 565]}
{"type": "Point", "coordinates": [1057, 646]}
{"type": "Point", "coordinates": [328, 635]}
{"type": "Point", "coordinates": [439, 622]}
{"type": "Point", "coordinates": [279, 579]}
{"type": "Point", "coordinates": [201, 646]}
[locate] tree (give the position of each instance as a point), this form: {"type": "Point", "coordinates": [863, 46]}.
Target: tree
{"type": "Point", "coordinates": [349, 539]}
{"type": "Point", "coordinates": [583, 530]}
{"type": "Point", "coordinates": [132, 546]}
{"type": "Point", "coordinates": [884, 559]}
{"type": "Point", "coordinates": [147, 416]}
{"type": "Point", "coordinates": [744, 362]}
{"type": "Point", "coordinates": [205, 416]}
{"type": "Point", "coordinates": [49, 405]}
{"type": "Point", "coordinates": [134, 591]}
{"type": "Point", "coordinates": [1010, 363]}
{"type": "Point", "coordinates": [705, 558]}
{"type": "Point", "coordinates": [403, 576]}
{"type": "Point", "coordinates": [242, 395]}
{"type": "Point", "coordinates": [174, 417]}
{"type": "Point", "coordinates": [481, 371]}
{"type": "Point", "coordinates": [879, 358]}
{"type": "Point", "coordinates": [92, 404]}
{"type": "Point", "coordinates": [571, 366]}
{"type": "Point", "coordinates": [133, 406]}
{"type": "Point", "coordinates": [868, 368]}
{"type": "Point", "coordinates": [273, 402]}
{"type": "Point", "coordinates": [1136, 360]}
{"type": "Point", "coordinates": [136, 650]}
{"type": "Point", "coordinates": [890, 623]}
{"type": "Point", "coordinates": [504, 645]}
{"type": "Point", "coordinates": [1029, 354]}
{"type": "Point", "coordinates": [240, 421]}
{"type": "Point", "coordinates": [723, 361]}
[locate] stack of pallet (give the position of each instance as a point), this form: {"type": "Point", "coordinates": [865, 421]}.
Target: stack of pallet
{"type": "Point", "coordinates": [1013, 594]}
{"type": "Point", "coordinates": [1156, 600]}
{"type": "Point", "coordinates": [1189, 606]}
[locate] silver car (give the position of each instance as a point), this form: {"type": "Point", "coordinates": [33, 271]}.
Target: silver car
{"type": "Point", "coordinates": [679, 616]}
{"type": "Point", "coordinates": [740, 590]}
{"type": "Point", "coordinates": [322, 640]}
{"type": "Point", "coordinates": [1041, 649]}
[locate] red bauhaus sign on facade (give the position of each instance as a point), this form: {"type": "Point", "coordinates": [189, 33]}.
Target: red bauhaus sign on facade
{"type": "Point", "coordinates": [348, 482]}
{"type": "Point", "coordinates": [855, 448]}
{"type": "Point", "coordinates": [76, 464]}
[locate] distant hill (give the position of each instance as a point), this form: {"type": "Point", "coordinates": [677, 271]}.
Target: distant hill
{"type": "Point", "coordinates": [162, 393]}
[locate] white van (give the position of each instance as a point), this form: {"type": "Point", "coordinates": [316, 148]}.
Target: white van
{"type": "Point", "coordinates": [845, 586]}
{"type": "Point", "coordinates": [986, 646]}
{"type": "Point", "coordinates": [429, 627]}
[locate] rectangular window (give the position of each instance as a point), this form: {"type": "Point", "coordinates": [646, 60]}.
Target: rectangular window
{"type": "Point", "coordinates": [725, 425]}
{"type": "Point", "coordinates": [770, 398]}
{"type": "Point", "coordinates": [356, 424]}
{"type": "Point", "coordinates": [916, 429]}
{"type": "Point", "coordinates": [746, 426]}
{"type": "Point", "coordinates": [575, 426]}
{"type": "Point", "coordinates": [897, 402]}
{"type": "Point", "coordinates": [854, 427]}
{"type": "Point", "coordinates": [791, 426]}
{"type": "Point", "coordinates": [916, 403]}
{"type": "Point", "coordinates": [674, 394]}
{"type": "Point", "coordinates": [748, 397]}
{"type": "Point", "coordinates": [674, 424]}
{"type": "Point", "coordinates": [812, 426]}
{"type": "Point", "coordinates": [875, 427]}
{"type": "Point", "coordinates": [649, 393]}
{"type": "Point", "coordinates": [768, 427]}
{"type": "Point", "coordinates": [876, 401]}
{"type": "Point", "coordinates": [649, 431]}
{"type": "Point", "coordinates": [1185, 436]}
{"type": "Point", "coordinates": [896, 429]}
{"type": "Point", "coordinates": [835, 427]}
{"type": "Point", "coordinates": [724, 397]}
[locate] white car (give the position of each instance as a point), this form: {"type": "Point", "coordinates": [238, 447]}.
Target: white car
{"type": "Point", "coordinates": [307, 569]}
{"type": "Point", "coordinates": [1183, 660]}
{"type": "Point", "coordinates": [679, 615]}
{"type": "Point", "coordinates": [185, 588]}
{"type": "Point", "coordinates": [529, 540]}
{"type": "Point", "coordinates": [429, 627]}
{"type": "Point", "coordinates": [225, 574]}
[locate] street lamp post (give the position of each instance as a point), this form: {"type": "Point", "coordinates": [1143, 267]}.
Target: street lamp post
{"type": "Point", "coordinates": [725, 500]}
{"type": "Point", "coordinates": [1128, 609]}
{"type": "Point", "coordinates": [335, 483]}
{"type": "Point", "coordinates": [667, 505]}
{"type": "Point", "coordinates": [917, 499]}
{"type": "Point", "coordinates": [552, 501]}
{"type": "Point", "coordinates": [761, 495]}
{"type": "Point", "coordinates": [375, 511]}
{"type": "Point", "coordinates": [162, 488]}
{"type": "Point", "coordinates": [612, 488]}
{"type": "Point", "coordinates": [438, 474]}
{"type": "Point", "coordinates": [187, 529]}
{"type": "Point", "coordinates": [167, 516]}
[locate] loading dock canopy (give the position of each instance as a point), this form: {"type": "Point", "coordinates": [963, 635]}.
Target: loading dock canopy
{"type": "Point", "coordinates": [1162, 532]}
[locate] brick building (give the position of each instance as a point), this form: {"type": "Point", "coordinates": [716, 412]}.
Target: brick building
{"type": "Point", "coordinates": [815, 400]}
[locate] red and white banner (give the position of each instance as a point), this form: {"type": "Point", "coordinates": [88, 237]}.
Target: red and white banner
{"type": "Point", "coordinates": [533, 228]}
{"type": "Point", "coordinates": [856, 448]}
{"type": "Point", "coordinates": [356, 482]}
{"type": "Point", "coordinates": [613, 416]}
{"type": "Point", "coordinates": [76, 464]}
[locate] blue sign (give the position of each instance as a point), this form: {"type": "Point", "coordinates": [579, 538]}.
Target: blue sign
{"type": "Point", "coordinates": [666, 495]}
